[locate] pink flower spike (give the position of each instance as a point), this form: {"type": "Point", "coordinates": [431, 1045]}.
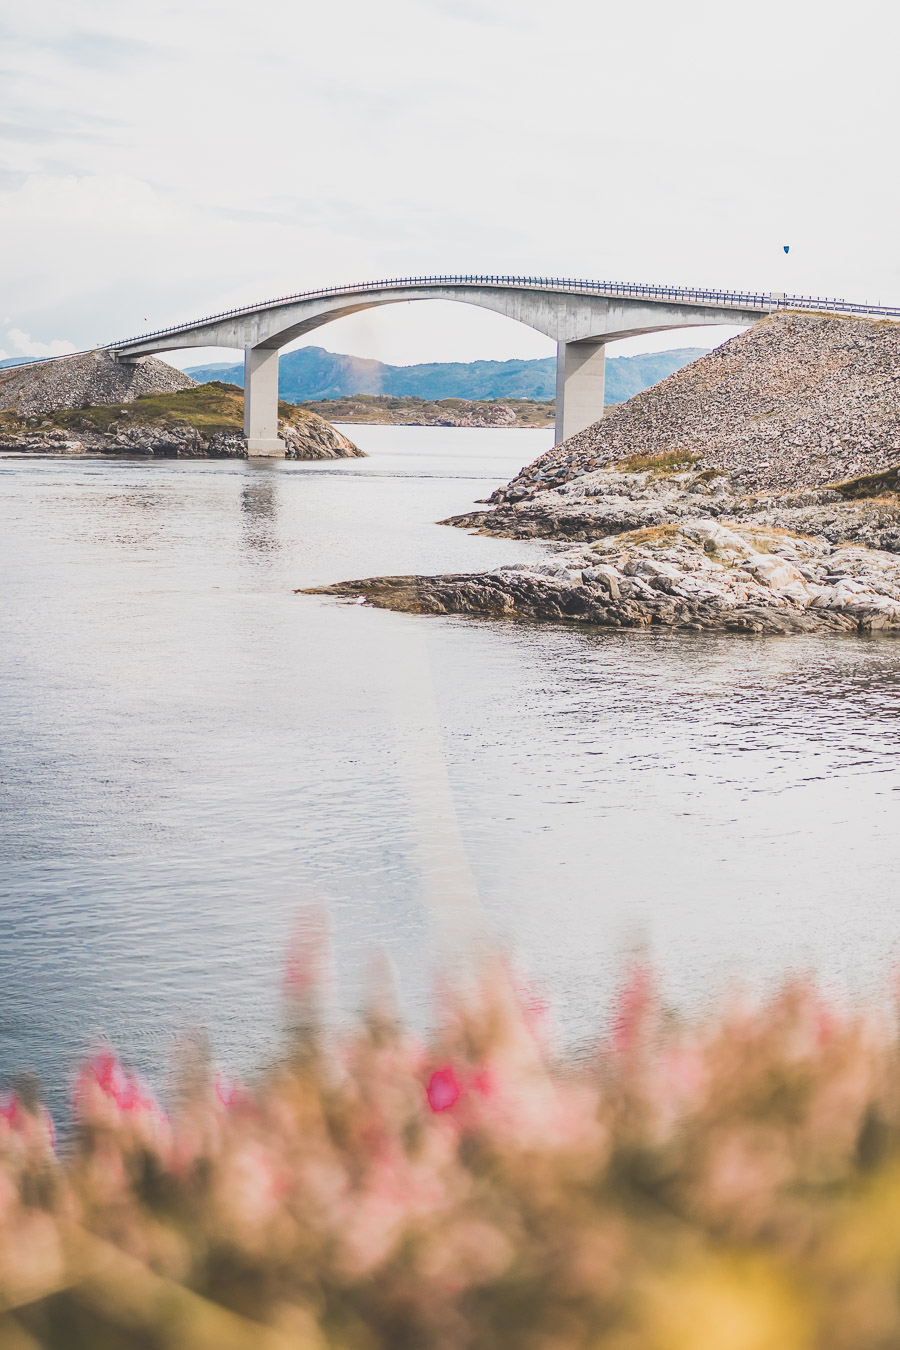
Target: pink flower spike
{"type": "Point", "coordinates": [305, 968]}
{"type": "Point", "coordinates": [114, 1081]}
{"type": "Point", "coordinates": [49, 1128]}
{"type": "Point", "coordinates": [106, 1070]}
{"type": "Point", "coordinates": [9, 1108]}
{"type": "Point", "coordinates": [483, 1083]}
{"type": "Point", "coordinates": [633, 1003]}
{"type": "Point", "coordinates": [229, 1092]}
{"type": "Point", "coordinates": [125, 1089]}
{"type": "Point", "coordinates": [443, 1089]}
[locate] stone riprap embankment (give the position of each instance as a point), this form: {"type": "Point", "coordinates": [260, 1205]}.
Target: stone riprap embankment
{"type": "Point", "coordinates": [797, 401]}
{"type": "Point", "coordinates": [697, 574]}
{"type": "Point", "coordinates": [84, 380]}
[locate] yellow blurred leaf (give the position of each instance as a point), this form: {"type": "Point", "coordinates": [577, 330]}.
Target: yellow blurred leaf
{"type": "Point", "coordinates": [731, 1302]}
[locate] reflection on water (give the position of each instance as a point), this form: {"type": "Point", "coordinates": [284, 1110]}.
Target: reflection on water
{"type": "Point", "coordinates": [259, 510]}
{"type": "Point", "coordinates": [192, 754]}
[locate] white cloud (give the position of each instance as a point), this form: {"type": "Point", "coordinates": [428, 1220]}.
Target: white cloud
{"type": "Point", "coordinates": [179, 159]}
{"type": "Point", "coordinates": [108, 202]}
{"type": "Point", "coordinates": [23, 345]}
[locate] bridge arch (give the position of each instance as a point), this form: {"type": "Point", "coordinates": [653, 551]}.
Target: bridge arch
{"type": "Point", "coordinates": [581, 317]}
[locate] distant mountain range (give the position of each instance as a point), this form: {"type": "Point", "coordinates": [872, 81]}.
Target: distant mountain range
{"type": "Point", "coordinates": [312, 373]}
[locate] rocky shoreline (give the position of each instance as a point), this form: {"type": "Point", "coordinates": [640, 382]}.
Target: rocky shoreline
{"type": "Point", "coordinates": [313, 439]}
{"type": "Point", "coordinates": [612, 503]}
{"type": "Point", "coordinates": [697, 574]}
{"type": "Point", "coordinates": [679, 551]}
{"type": "Point", "coordinates": [411, 411]}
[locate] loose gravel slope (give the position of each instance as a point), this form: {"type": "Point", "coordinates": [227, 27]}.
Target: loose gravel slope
{"type": "Point", "coordinates": [797, 401]}
{"type": "Point", "coordinates": [85, 380]}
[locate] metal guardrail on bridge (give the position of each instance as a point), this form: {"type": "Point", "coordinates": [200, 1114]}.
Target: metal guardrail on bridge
{"type": "Point", "coordinates": [613, 290]}
{"type": "Point", "coordinates": [726, 300]}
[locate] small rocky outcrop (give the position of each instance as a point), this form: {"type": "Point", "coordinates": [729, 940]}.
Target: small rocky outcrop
{"type": "Point", "coordinates": [604, 502]}
{"type": "Point", "coordinates": [696, 575]}
{"type": "Point", "coordinates": [472, 414]}
{"type": "Point", "coordinates": [85, 380]}
{"type": "Point", "coordinates": [308, 436]}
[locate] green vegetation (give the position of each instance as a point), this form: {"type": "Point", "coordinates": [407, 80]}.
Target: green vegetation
{"type": "Point", "coordinates": [885, 483]}
{"type": "Point", "coordinates": [668, 462]}
{"type": "Point", "coordinates": [209, 408]}
{"type": "Point", "coordinates": [650, 535]}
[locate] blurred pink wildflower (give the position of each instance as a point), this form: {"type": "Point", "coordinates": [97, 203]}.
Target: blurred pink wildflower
{"type": "Point", "coordinates": [444, 1089]}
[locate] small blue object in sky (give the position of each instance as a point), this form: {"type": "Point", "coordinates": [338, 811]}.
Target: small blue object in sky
{"type": "Point", "coordinates": [787, 248]}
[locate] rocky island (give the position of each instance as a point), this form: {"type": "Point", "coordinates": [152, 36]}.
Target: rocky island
{"type": "Point", "coordinates": [755, 490]}
{"type": "Point", "coordinates": [409, 410]}
{"type": "Point", "coordinates": [91, 404]}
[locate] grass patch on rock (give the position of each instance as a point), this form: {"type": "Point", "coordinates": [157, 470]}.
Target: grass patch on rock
{"type": "Point", "coordinates": [208, 408]}
{"type": "Point", "coordinates": [653, 536]}
{"type": "Point", "coordinates": [668, 462]}
{"type": "Point", "coordinates": [881, 484]}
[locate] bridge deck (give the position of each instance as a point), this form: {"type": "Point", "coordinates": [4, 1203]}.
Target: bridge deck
{"type": "Point", "coordinates": [709, 299]}
{"type": "Point", "coordinates": [724, 300]}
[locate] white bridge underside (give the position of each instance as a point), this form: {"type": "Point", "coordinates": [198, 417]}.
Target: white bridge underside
{"type": "Point", "coordinates": [580, 322]}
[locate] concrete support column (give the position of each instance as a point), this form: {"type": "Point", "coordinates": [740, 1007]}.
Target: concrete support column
{"type": "Point", "coordinates": [261, 402]}
{"type": "Point", "coordinates": [580, 378]}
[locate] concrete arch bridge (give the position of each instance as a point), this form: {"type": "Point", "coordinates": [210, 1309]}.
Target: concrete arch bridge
{"type": "Point", "coordinates": [580, 316]}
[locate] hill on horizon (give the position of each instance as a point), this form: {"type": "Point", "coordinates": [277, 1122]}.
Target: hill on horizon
{"type": "Point", "coordinates": [313, 373]}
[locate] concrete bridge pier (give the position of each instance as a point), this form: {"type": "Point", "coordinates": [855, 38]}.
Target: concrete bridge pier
{"type": "Point", "coordinates": [580, 380]}
{"type": "Point", "coordinates": [261, 402]}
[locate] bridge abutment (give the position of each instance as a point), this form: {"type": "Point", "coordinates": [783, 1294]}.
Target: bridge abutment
{"type": "Point", "coordinates": [261, 403]}
{"type": "Point", "coordinates": [580, 384]}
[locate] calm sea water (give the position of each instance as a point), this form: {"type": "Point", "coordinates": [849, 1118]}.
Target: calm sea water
{"type": "Point", "coordinates": [193, 759]}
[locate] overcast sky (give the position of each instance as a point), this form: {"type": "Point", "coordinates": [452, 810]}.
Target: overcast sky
{"type": "Point", "coordinates": [161, 161]}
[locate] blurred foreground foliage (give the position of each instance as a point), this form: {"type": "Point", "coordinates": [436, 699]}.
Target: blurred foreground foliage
{"type": "Point", "coordinates": [727, 1185]}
